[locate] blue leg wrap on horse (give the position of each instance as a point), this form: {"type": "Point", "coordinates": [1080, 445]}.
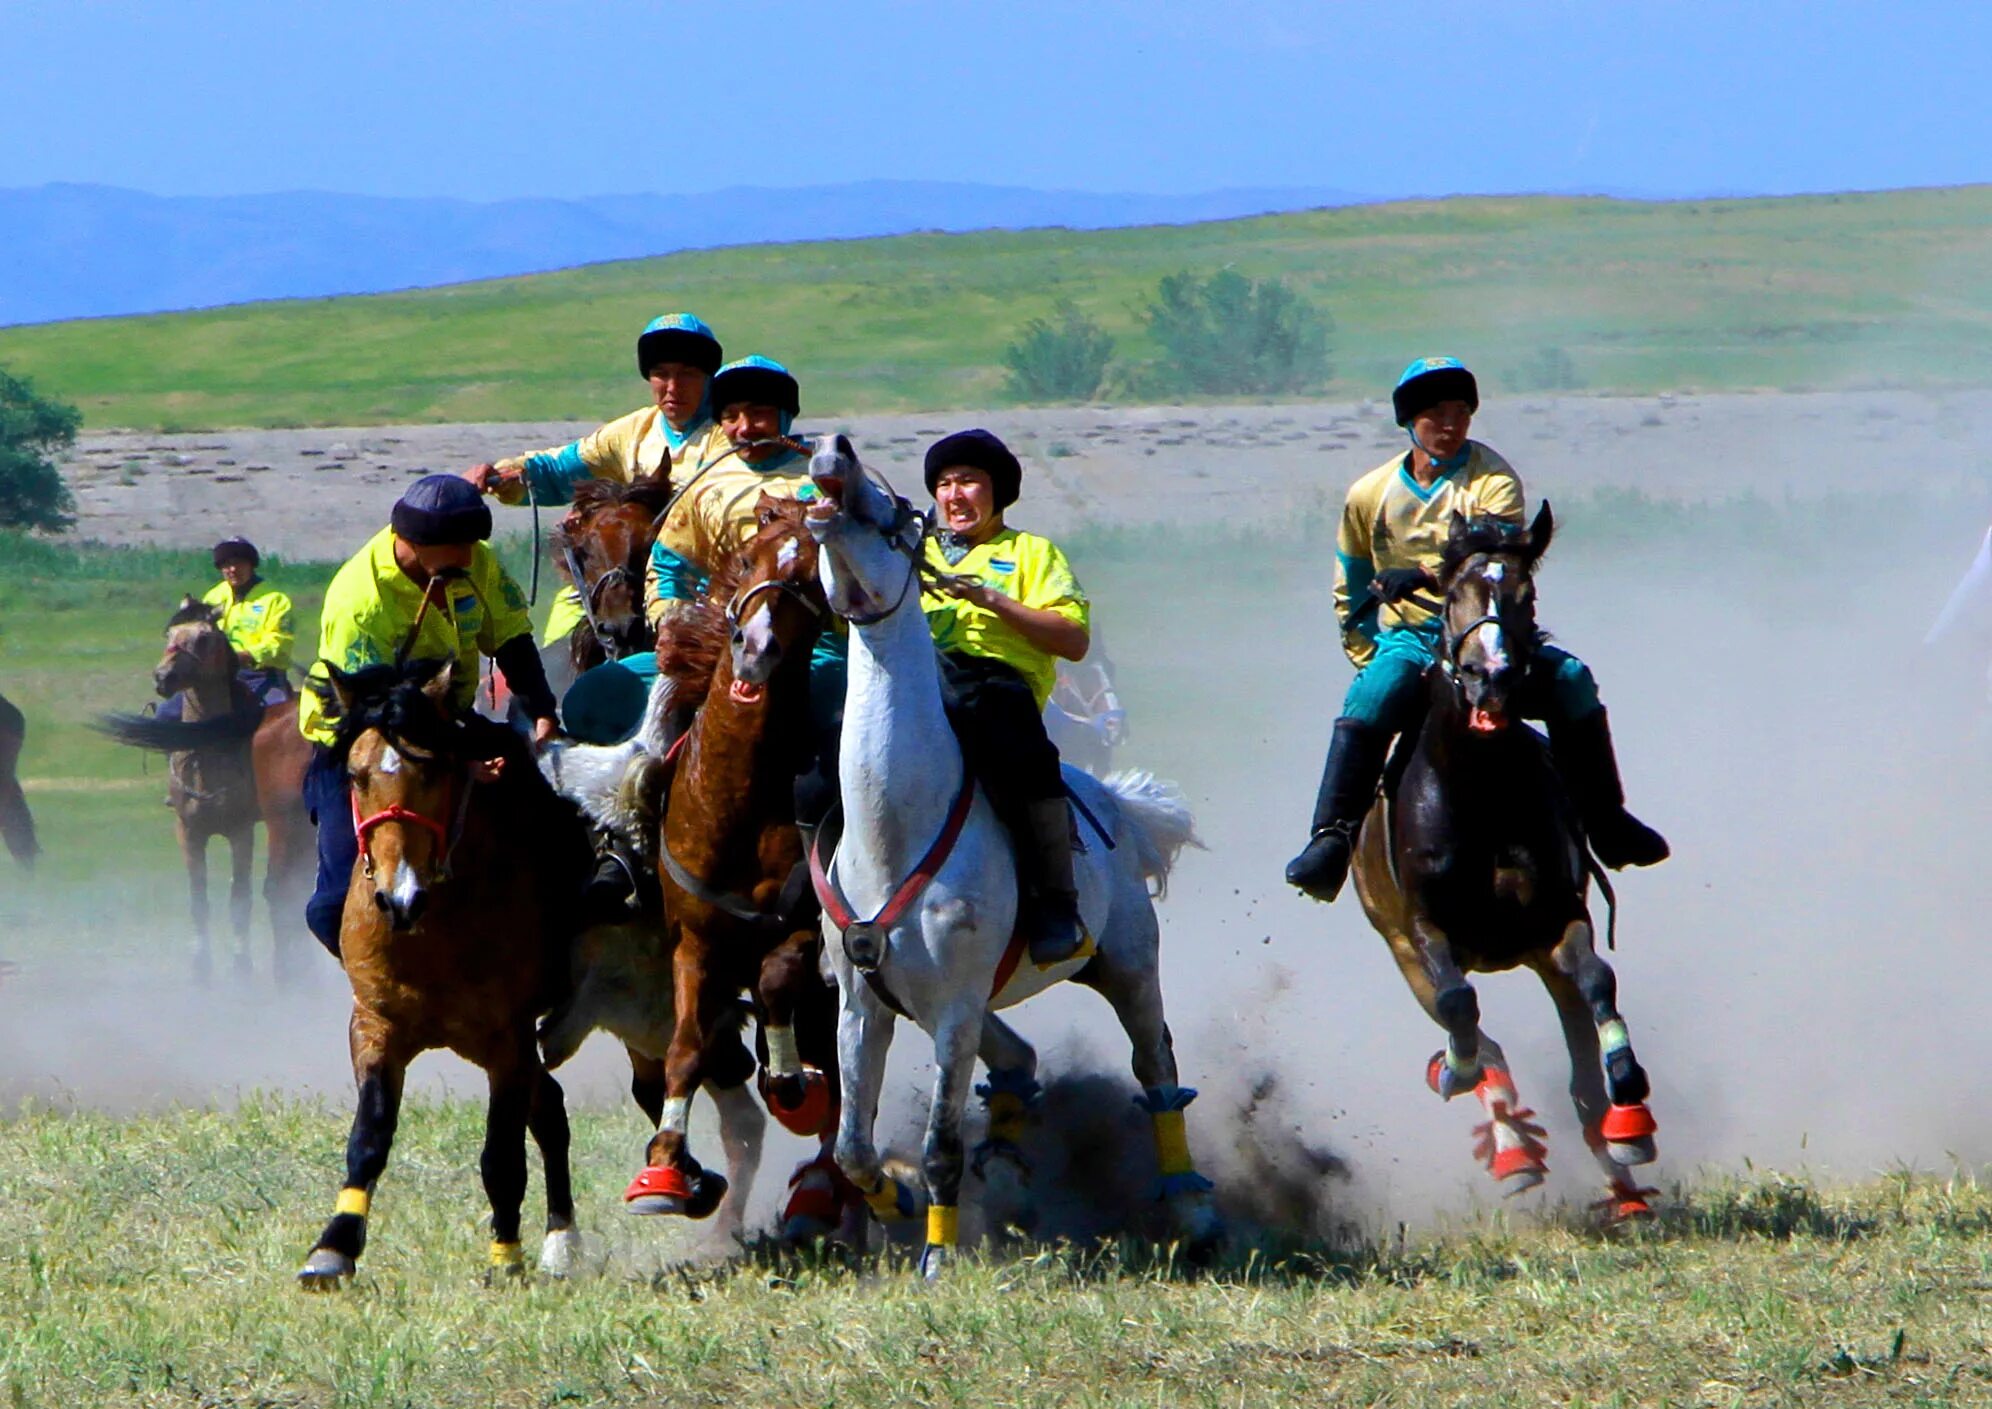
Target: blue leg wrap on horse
{"type": "Point", "coordinates": [1013, 1081]}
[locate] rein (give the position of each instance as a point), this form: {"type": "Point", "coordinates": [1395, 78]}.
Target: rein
{"type": "Point", "coordinates": [446, 836]}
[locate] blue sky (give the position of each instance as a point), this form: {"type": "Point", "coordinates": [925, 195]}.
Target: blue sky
{"type": "Point", "coordinates": [565, 99]}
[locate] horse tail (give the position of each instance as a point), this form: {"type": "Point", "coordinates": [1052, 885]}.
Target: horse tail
{"type": "Point", "coordinates": [1155, 819]}
{"type": "Point", "coordinates": [177, 736]}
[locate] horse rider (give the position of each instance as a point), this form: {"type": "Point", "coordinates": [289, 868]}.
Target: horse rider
{"type": "Point", "coordinates": [255, 617]}
{"type": "Point", "coordinates": [677, 354]}
{"type": "Point", "coordinates": [1388, 552]}
{"type": "Point", "coordinates": [1005, 608]}
{"type": "Point", "coordinates": [427, 587]}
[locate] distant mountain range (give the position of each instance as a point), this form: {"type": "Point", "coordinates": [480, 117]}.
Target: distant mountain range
{"type": "Point", "coordinates": [77, 251]}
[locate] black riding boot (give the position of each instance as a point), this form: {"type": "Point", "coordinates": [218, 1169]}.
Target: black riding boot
{"type": "Point", "coordinates": [608, 897]}
{"type": "Point", "coordinates": [1057, 933]}
{"type": "Point", "coordinates": [1348, 788]}
{"type": "Point", "coordinates": [1584, 756]}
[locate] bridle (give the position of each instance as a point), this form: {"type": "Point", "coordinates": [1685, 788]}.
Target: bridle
{"type": "Point", "coordinates": [446, 835]}
{"type": "Point", "coordinates": [591, 595]}
{"type": "Point", "coordinates": [894, 534]}
{"type": "Point", "coordinates": [737, 608]}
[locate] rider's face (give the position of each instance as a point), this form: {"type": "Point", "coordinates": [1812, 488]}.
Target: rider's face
{"type": "Point", "coordinates": [744, 421]}
{"type": "Point", "coordinates": [966, 498]}
{"type": "Point", "coordinates": [436, 558]}
{"type": "Point", "coordinates": [679, 388]}
{"type": "Point", "coordinates": [1442, 430]}
{"type": "Point", "coordinates": [236, 572]}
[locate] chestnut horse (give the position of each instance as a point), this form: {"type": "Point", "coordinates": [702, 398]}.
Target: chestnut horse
{"type": "Point", "coordinates": [738, 913]}
{"type": "Point", "coordinates": [1476, 862]}
{"type": "Point", "coordinates": [455, 935]}
{"type": "Point", "coordinates": [17, 825]}
{"type": "Point", "coordinates": [230, 764]}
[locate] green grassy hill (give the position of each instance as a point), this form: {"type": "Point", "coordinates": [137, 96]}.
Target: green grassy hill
{"type": "Point", "coordinates": [1887, 288]}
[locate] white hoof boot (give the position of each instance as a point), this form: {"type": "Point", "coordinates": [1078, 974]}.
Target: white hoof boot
{"type": "Point", "coordinates": [325, 1270]}
{"type": "Point", "coordinates": [934, 1262]}
{"type": "Point", "coordinates": [560, 1254]}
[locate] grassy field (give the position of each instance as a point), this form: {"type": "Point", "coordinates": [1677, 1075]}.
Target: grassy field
{"type": "Point", "coordinates": [1822, 291]}
{"type": "Point", "coordinates": [149, 1263]}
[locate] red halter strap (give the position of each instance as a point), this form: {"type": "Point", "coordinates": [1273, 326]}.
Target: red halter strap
{"type": "Point", "coordinates": [394, 812]}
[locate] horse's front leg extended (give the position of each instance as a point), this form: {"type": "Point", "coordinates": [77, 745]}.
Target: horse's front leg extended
{"type": "Point", "coordinates": [799, 1096]}
{"type": "Point", "coordinates": [1626, 1127]}
{"type": "Point", "coordinates": [864, 1036]}
{"type": "Point", "coordinates": [513, 1073]}
{"type": "Point", "coordinates": [956, 1038]}
{"type": "Point", "coordinates": [193, 854]}
{"type": "Point", "coordinates": [1442, 988]}
{"type": "Point", "coordinates": [672, 1181]}
{"type": "Point", "coordinates": [378, 1072]}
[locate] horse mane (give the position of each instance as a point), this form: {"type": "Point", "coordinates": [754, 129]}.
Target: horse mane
{"type": "Point", "coordinates": [651, 493]}
{"type": "Point", "coordinates": [692, 640]}
{"type": "Point", "coordinates": [190, 611]}
{"type": "Point", "coordinates": [1475, 536]}
{"type": "Point", "coordinates": [389, 698]}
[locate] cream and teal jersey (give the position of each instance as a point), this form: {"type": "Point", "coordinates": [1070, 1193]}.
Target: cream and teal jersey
{"type": "Point", "coordinates": [1024, 568]}
{"type": "Point", "coordinates": [258, 623]}
{"type": "Point", "coordinates": [372, 605]}
{"type": "Point", "coordinates": [1391, 521]}
{"type": "Point", "coordinates": [714, 517]}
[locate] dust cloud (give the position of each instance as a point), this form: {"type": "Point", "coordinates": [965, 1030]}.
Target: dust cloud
{"type": "Point", "coordinates": [1804, 980]}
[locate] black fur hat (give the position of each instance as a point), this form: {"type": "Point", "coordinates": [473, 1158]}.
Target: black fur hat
{"type": "Point", "coordinates": [979, 450]}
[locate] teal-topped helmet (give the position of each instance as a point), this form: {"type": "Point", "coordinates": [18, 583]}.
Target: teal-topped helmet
{"type": "Point", "coordinates": [678, 337]}
{"type": "Point", "coordinates": [1427, 382]}
{"type": "Point", "coordinates": [759, 380]}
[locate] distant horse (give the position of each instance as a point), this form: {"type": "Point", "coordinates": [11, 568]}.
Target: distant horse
{"type": "Point", "coordinates": [17, 826]}
{"type": "Point", "coordinates": [738, 916]}
{"type": "Point", "coordinates": [1476, 862]}
{"type": "Point", "coordinates": [231, 763]}
{"type": "Point", "coordinates": [455, 935]}
{"type": "Point", "coordinates": [923, 888]}
{"type": "Point", "coordinates": [1084, 717]}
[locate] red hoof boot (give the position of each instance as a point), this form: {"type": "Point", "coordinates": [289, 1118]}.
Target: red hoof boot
{"type": "Point", "coordinates": [818, 1196]}
{"type": "Point", "coordinates": [659, 1190]}
{"type": "Point", "coordinates": [1509, 1142]}
{"type": "Point", "coordinates": [1626, 1203]}
{"type": "Point", "coordinates": [1439, 1076]}
{"type": "Point", "coordinates": [1628, 1134]}
{"type": "Point", "coordinates": [811, 1113]}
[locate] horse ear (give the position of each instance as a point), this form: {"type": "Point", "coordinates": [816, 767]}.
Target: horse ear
{"type": "Point", "coordinates": [340, 689]}
{"type": "Point", "coordinates": [1541, 531]}
{"type": "Point", "coordinates": [1457, 532]}
{"type": "Point", "coordinates": [767, 509]}
{"type": "Point", "coordinates": [437, 686]}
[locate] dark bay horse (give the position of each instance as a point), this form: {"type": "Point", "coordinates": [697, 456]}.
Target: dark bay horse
{"type": "Point", "coordinates": [17, 825]}
{"type": "Point", "coordinates": [455, 935]}
{"type": "Point", "coordinates": [1476, 862]}
{"type": "Point", "coordinates": [602, 547]}
{"type": "Point", "coordinates": [231, 763]}
{"type": "Point", "coordinates": [738, 916]}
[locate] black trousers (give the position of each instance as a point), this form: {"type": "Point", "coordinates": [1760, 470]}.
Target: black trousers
{"type": "Point", "coordinates": [1002, 732]}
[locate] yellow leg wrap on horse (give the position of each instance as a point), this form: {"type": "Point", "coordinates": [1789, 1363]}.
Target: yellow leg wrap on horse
{"type": "Point", "coordinates": [1172, 1143]}
{"type": "Point", "coordinates": [884, 1200]}
{"type": "Point", "coordinates": [354, 1201]}
{"type": "Point", "coordinates": [943, 1225]}
{"type": "Point", "coordinates": [507, 1255]}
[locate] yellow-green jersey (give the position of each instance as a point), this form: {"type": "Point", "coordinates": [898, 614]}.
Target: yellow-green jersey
{"type": "Point", "coordinates": [1024, 568]}
{"type": "Point", "coordinates": [257, 624]}
{"type": "Point", "coordinates": [1392, 521]}
{"type": "Point", "coordinates": [372, 606]}
{"type": "Point", "coordinates": [713, 518]}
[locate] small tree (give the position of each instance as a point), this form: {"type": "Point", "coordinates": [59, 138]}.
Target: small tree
{"type": "Point", "coordinates": [33, 428]}
{"type": "Point", "coordinates": [1230, 335]}
{"type": "Point", "coordinates": [1063, 359]}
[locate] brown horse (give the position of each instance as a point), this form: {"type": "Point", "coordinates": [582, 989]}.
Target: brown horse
{"type": "Point", "coordinates": [455, 935]}
{"type": "Point", "coordinates": [230, 764]}
{"type": "Point", "coordinates": [1476, 862]}
{"type": "Point", "coordinates": [602, 548]}
{"type": "Point", "coordinates": [737, 915]}
{"type": "Point", "coordinates": [17, 825]}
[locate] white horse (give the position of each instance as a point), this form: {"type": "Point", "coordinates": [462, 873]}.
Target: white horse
{"type": "Point", "coordinates": [941, 948]}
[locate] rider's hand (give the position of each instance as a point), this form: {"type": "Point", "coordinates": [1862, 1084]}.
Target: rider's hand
{"type": "Point", "coordinates": [965, 589]}
{"type": "Point", "coordinates": [543, 732]}
{"type": "Point", "coordinates": [1395, 584]}
{"type": "Point", "coordinates": [487, 478]}
{"type": "Point", "coordinates": [487, 770]}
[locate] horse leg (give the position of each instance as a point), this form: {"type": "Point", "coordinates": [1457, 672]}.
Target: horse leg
{"type": "Point", "coordinates": [513, 1073]}
{"type": "Point", "coordinates": [672, 1182]}
{"type": "Point", "coordinates": [864, 1036]}
{"type": "Point", "coordinates": [798, 1096]}
{"type": "Point", "coordinates": [193, 853]}
{"type": "Point", "coordinates": [377, 1072]}
{"type": "Point", "coordinates": [241, 890]}
{"type": "Point", "coordinates": [1622, 1131]}
{"type": "Point", "coordinates": [646, 1085]}
{"type": "Point", "coordinates": [1128, 977]}
{"type": "Point", "coordinates": [942, 1159]}
{"type": "Point", "coordinates": [548, 1122]}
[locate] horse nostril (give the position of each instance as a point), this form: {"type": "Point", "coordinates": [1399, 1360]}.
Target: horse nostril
{"type": "Point", "coordinates": [739, 636]}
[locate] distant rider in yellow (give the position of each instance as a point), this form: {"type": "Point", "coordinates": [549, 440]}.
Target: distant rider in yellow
{"type": "Point", "coordinates": [1387, 555]}
{"type": "Point", "coordinates": [427, 587]}
{"type": "Point", "coordinates": [255, 617]}
{"type": "Point", "coordinates": [1006, 609]}
{"type": "Point", "coordinates": [677, 354]}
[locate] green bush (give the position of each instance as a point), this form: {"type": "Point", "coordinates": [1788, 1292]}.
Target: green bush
{"type": "Point", "coordinates": [1227, 335]}
{"type": "Point", "coordinates": [1550, 369]}
{"type": "Point", "coordinates": [1061, 359]}
{"type": "Point", "coordinates": [33, 428]}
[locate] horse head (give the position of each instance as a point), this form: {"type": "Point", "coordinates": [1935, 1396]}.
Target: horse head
{"type": "Point", "coordinates": [408, 773]}
{"type": "Point", "coordinates": [1489, 628]}
{"type": "Point", "coordinates": [197, 652]}
{"type": "Point", "coordinates": [603, 548]}
{"type": "Point", "coordinates": [777, 610]}
{"type": "Point", "coordinates": [870, 537]}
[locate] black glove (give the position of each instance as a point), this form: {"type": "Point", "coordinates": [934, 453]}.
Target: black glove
{"type": "Point", "coordinates": [1395, 584]}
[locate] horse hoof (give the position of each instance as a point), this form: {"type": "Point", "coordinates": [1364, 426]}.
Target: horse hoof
{"type": "Point", "coordinates": [1521, 1180]}
{"type": "Point", "coordinates": [996, 1151]}
{"type": "Point", "coordinates": [1628, 1134]}
{"type": "Point", "coordinates": [560, 1254]}
{"type": "Point", "coordinates": [707, 1190]}
{"type": "Point", "coordinates": [934, 1260]}
{"type": "Point", "coordinates": [326, 1270]}
{"type": "Point", "coordinates": [1200, 1228]}
{"type": "Point", "coordinates": [809, 1114]}
{"type": "Point", "coordinates": [1447, 1083]}
{"type": "Point", "coordinates": [658, 1190]}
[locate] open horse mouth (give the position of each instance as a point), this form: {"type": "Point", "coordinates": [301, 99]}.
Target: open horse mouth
{"type": "Point", "coordinates": [829, 500]}
{"type": "Point", "coordinates": [747, 693]}
{"type": "Point", "coordinates": [1482, 720]}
